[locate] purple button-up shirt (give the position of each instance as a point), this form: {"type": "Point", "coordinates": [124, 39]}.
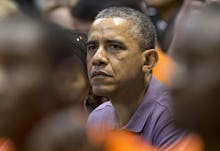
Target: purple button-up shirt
{"type": "Point", "coordinates": [153, 119]}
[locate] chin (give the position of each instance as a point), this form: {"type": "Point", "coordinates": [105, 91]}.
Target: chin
{"type": "Point", "coordinates": [102, 90]}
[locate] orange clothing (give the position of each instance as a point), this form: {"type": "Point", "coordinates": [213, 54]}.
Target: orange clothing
{"type": "Point", "coordinates": [6, 145]}
{"type": "Point", "coordinates": [118, 140]}
{"type": "Point", "coordinates": [164, 67]}
{"type": "Point", "coordinates": [126, 141]}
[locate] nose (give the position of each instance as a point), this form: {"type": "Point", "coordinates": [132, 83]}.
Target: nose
{"type": "Point", "coordinates": [100, 57]}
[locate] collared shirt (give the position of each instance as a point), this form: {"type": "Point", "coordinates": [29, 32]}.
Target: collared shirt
{"type": "Point", "coordinates": [153, 119]}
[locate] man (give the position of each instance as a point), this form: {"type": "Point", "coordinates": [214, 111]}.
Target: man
{"type": "Point", "coordinates": [120, 60]}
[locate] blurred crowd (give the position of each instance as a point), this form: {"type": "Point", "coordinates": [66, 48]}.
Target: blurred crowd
{"type": "Point", "coordinates": [72, 77]}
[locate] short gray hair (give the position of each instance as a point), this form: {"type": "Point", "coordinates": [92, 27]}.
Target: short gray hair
{"type": "Point", "coordinates": [142, 28]}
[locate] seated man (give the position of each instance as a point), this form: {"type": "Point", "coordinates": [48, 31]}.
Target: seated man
{"type": "Point", "coordinates": [120, 60]}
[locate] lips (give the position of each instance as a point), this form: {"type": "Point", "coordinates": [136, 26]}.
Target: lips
{"type": "Point", "coordinates": [100, 74]}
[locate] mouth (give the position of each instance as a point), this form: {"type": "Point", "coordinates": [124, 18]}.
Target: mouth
{"type": "Point", "coordinates": [100, 74]}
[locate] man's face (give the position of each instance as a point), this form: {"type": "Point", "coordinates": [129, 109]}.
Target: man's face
{"type": "Point", "coordinates": [114, 59]}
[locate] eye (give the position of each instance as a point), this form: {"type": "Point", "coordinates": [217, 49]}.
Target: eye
{"type": "Point", "coordinates": [115, 46]}
{"type": "Point", "coordinates": [92, 47]}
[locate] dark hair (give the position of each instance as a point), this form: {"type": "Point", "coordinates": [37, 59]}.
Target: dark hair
{"type": "Point", "coordinates": [140, 28]}
{"type": "Point", "coordinates": [87, 9]}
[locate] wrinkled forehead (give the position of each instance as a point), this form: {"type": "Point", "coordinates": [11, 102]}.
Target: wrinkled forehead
{"type": "Point", "coordinates": [115, 28]}
{"type": "Point", "coordinates": [109, 24]}
{"type": "Point", "coordinates": [115, 20]}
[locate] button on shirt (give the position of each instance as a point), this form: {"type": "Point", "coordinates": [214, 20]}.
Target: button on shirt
{"type": "Point", "coordinates": [153, 119]}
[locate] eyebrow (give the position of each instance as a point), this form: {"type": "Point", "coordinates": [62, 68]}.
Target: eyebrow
{"type": "Point", "coordinates": [107, 41]}
{"type": "Point", "coordinates": [117, 42]}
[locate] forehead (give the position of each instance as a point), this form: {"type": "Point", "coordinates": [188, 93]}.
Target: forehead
{"type": "Point", "coordinates": [115, 27]}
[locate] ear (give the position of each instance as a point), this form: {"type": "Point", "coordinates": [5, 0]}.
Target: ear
{"type": "Point", "coordinates": [150, 59]}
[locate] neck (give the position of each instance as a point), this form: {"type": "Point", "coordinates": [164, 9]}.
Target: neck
{"type": "Point", "coordinates": [127, 101]}
{"type": "Point", "coordinates": [167, 11]}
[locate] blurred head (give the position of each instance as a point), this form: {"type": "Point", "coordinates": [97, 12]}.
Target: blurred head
{"type": "Point", "coordinates": [197, 81]}
{"type": "Point", "coordinates": [30, 53]}
{"type": "Point", "coordinates": [84, 11]}
{"type": "Point", "coordinates": [119, 40]}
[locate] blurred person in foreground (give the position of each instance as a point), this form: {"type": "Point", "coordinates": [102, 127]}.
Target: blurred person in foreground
{"type": "Point", "coordinates": [33, 56]}
{"type": "Point", "coordinates": [196, 85]}
{"type": "Point", "coordinates": [120, 60]}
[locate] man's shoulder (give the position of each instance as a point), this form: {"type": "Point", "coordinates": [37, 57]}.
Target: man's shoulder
{"type": "Point", "coordinates": [162, 118]}
{"type": "Point", "coordinates": [104, 113]}
{"type": "Point", "coordinates": [102, 107]}
{"type": "Point", "coordinates": [102, 110]}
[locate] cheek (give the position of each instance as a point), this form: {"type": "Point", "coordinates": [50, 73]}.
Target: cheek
{"type": "Point", "coordinates": [128, 66]}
